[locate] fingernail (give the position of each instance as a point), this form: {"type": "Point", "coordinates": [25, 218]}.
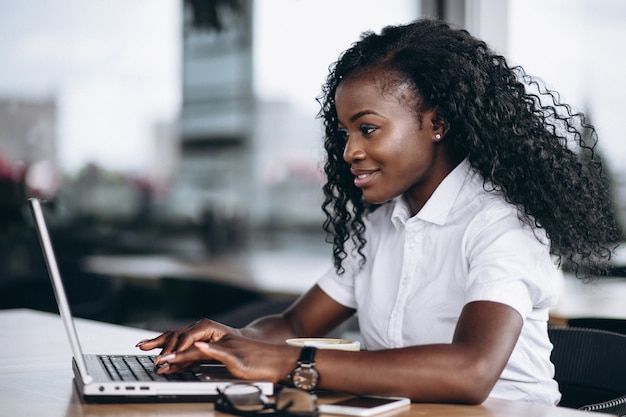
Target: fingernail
{"type": "Point", "coordinates": [168, 357]}
{"type": "Point", "coordinates": [141, 342]}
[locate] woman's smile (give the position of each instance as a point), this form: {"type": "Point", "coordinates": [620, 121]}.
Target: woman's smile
{"type": "Point", "coordinates": [363, 177]}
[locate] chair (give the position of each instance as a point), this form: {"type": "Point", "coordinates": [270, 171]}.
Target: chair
{"type": "Point", "coordinates": [590, 368]}
{"type": "Point", "coordinates": [601, 323]}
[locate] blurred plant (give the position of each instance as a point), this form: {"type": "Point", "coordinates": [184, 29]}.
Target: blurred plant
{"type": "Point", "coordinates": [13, 222]}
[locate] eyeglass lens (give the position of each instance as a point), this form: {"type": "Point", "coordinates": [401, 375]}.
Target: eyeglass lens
{"type": "Point", "coordinates": [246, 397]}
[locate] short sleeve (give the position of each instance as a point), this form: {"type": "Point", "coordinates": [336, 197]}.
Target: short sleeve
{"type": "Point", "coordinates": [510, 265]}
{"type": "Point", "coordinates": [341, 288]}
{"type": "Point", "coordinates": [338, 287]}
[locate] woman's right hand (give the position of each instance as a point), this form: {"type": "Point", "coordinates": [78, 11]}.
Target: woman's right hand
{"type": "Point", "coordinates": [174, 341]}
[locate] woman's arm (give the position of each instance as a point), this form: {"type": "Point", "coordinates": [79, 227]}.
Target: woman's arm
{"type": "Point", "coordinates": [463, 371]}
{"type": "Point", "coordinates": [313, 314]}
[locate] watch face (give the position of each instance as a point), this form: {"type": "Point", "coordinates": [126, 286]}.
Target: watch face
{"type": "Point", "coordinates": [305, 378]}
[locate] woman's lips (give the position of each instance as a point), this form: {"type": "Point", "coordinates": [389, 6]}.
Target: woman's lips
{"type": "Point", "coordinates": [362, 178]}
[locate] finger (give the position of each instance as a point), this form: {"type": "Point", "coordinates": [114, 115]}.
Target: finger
{"type": "Point", "coordinates": [182, 357]}
{"type": "Point", "coordinates": [168, 341]}
{"type": "Point", "coordinates": [184, 338]}
{"type": "Point", "coordinates": [202, 347]}
{"type": "Point", "coordinates": [157, 342]}
{"type": "Point", "coordinates": [176, 361]}
{"type": "Point", "coordinates": [202, 330]}
{"type": "Point", "coordinates": [173, 341]}
{"type": "Point", "coordinates": [206, 351]}
{"type": "Point", "coordinates": [170, 347]}
{"type": "Point", "coordinates": [173, 368]}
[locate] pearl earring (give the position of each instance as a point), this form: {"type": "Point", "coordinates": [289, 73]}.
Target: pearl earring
{"type": "Point", "coordinates": [437, 136]}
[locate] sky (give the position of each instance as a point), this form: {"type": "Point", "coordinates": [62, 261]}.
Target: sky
{"type": "Point", "coordinates": [114, 65]}
{"type": "Point", "coordinates": [296, 41]}
{"type": "Point", "coordinates": [577, 47]}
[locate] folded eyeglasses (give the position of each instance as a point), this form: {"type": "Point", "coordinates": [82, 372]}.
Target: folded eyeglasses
{"type": "Point", "coordinates": [247, 400]}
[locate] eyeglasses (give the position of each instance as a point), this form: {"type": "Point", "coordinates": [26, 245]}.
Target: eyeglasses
{"type": "Point", "coordinates": [248, 401]}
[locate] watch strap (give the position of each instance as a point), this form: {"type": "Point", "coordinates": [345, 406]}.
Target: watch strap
{"type": "Point", "coordinates": [307, 355]}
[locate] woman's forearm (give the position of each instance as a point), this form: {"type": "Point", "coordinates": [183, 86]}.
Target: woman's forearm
{"type": "Point", "coordinates": [273, 329]}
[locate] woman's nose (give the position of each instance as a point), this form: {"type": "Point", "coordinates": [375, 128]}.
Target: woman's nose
{"type": "Point", "coordinates": [353, 151]}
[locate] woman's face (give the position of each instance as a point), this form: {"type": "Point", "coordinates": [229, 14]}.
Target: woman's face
{"type": "Point", "coordinates": [388, 151]}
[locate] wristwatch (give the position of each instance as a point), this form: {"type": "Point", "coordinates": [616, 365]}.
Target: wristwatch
{"type": "Point", "coordinates": [305, 376]}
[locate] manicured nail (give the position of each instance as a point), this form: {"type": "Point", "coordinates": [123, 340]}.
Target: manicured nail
{"type": "Point", "coordinates": [163, 368]}
{"type": "Point", "coordinates": [141, 342]}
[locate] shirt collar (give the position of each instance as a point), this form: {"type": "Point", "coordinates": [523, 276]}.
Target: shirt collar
{"type": "Point", "coordinates": [440, 203]}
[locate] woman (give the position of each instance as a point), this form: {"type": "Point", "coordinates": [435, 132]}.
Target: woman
{"type": "Point", "coordinates": [452, 195]}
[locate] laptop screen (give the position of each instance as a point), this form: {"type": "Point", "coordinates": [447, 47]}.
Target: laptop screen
{"type": "Point", "coordinates": [57, 285]}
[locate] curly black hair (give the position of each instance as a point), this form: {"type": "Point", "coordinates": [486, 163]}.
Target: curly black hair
{"type": "Point", "coordinates": [514, 131]}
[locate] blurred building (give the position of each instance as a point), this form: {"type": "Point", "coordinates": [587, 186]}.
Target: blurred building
{"type": "Point", "coordinates": [29, 130]}
{"type": "Point", "coordinates": [27, 146]}
{"type": "Point", "coordinates": [216, 118]}
{"type": "Point", "coordinates": [250, 161]}
{"type": "Point", "coordinates": [243, 161]}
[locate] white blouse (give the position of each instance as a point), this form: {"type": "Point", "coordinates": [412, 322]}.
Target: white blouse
{"type": "Point", "coordinates": [464, 245]}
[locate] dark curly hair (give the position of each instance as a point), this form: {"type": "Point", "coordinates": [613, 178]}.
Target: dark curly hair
{"type": "Point", "coordinates": [514, 131]}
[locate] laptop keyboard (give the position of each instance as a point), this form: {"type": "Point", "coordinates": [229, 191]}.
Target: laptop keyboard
{"type": "Point", "coordinates": [139, 368]}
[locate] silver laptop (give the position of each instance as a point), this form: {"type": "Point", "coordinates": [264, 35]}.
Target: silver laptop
{"type": "Point", "coordinates": [128, 378]}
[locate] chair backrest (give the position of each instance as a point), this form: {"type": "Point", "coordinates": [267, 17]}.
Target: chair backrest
{"type": "Point", "coordinates": [601, 323]}
{"type": "Point", "coordinates": [590, 365]}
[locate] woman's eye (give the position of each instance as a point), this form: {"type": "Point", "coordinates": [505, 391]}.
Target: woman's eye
{"type": "Point", "coordinates": [367, 129]}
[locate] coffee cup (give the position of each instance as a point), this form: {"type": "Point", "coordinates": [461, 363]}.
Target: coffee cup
{"type": "Point", "coordinates": [325, 343]}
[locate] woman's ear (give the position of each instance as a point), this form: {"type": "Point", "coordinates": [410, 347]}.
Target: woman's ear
{"type": "Point", "coordinates": [440, 126]}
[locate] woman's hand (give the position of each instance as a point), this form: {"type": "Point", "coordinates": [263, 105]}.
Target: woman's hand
{"type": "Point", "coordinates": [243, 357]}
{"type": "Point", "coordinates": [255, 351]}
{"type": "Point", "coordinates": [175, 341]}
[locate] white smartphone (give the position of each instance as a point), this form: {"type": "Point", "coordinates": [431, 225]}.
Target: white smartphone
{"type": "Point", "coordinates": [364, 406]}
